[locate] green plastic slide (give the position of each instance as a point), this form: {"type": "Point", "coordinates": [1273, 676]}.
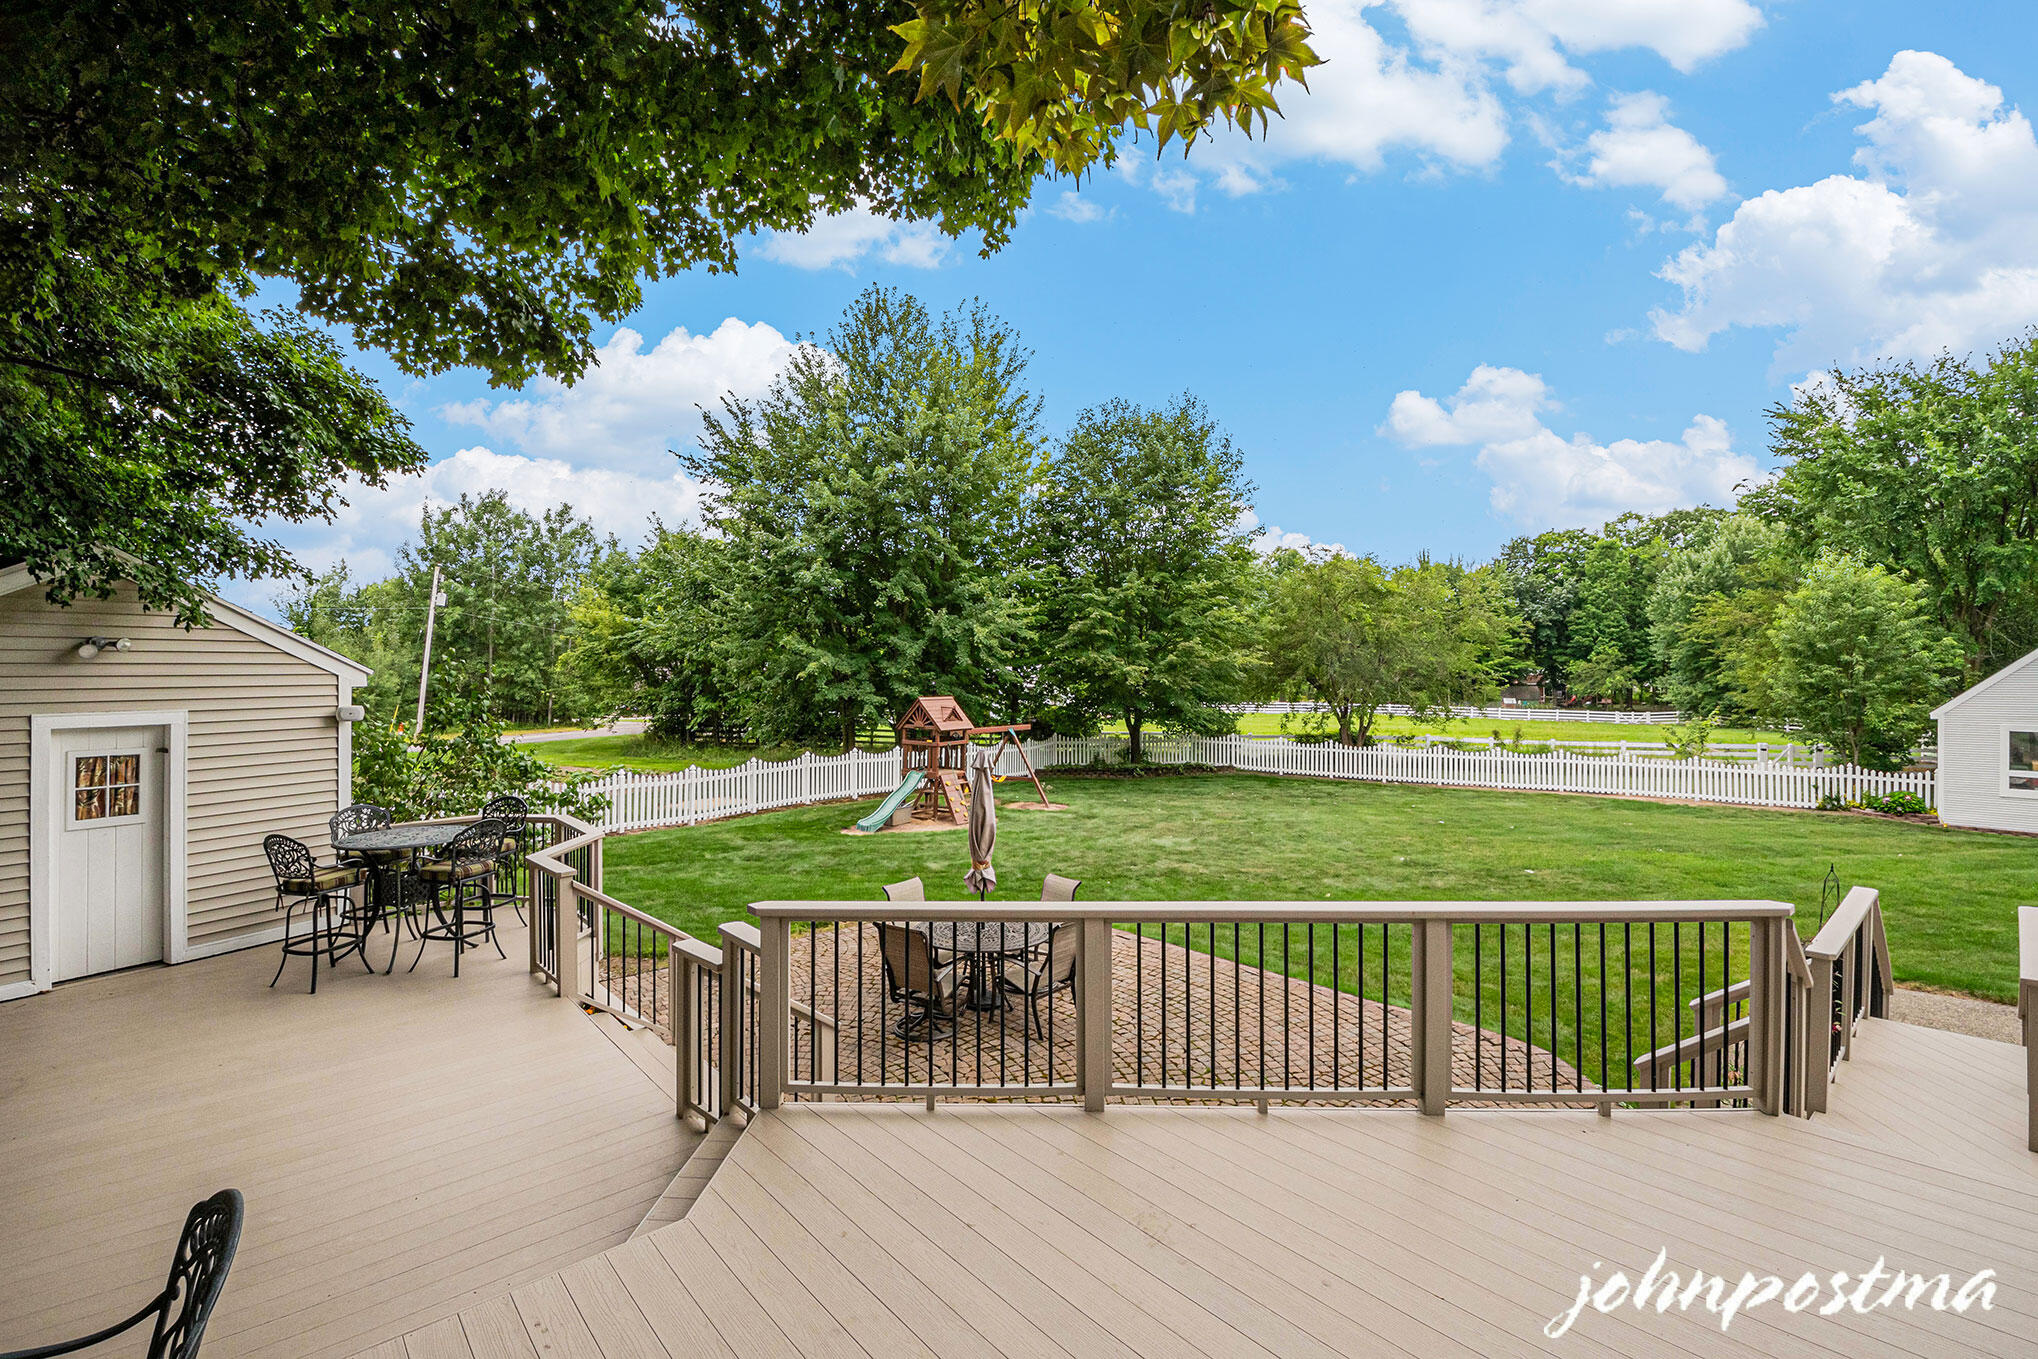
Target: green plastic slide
{"type": "Point", "coordinates": [907, 787]}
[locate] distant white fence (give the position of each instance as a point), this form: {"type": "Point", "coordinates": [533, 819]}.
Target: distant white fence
{"type": "Point", "coordinates": [643, 801]}
{"type": "Point", "coordinates": [1724, 781]}
{"type": "Point", "coordinates": [1507, 713]}
{"type": "Point", "coordinates": [640, 801]}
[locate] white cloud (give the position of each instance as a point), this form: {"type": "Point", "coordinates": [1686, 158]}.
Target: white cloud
{"type": "Point", "coordinates": [1543, 479]}
{"type": "Point", "coordinates": [1494, 404]}
{"type": "Point", "coordinates": [1685, 33]}
{"type": "Point", "coordinates": [1934, 245]}
{"type": "Point", "coordinates": [1434, 89]}
{"type": "Point", "coordinates": [632, 406]}
{"type": "Point", "coordinates": [840, 239]}
{"type": "Point", "coordinates": [1073, 207]}
{"type": "Point", "coordinates": [1274, 537]}
{"type": "Point", "coordinates": [1641, 147]}
{"type": "Point", "coordinates": [374, 523]}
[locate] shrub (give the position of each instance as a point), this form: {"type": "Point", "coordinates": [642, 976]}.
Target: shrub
{"type": "Point", "coordinates": [1899, 803]}
{"type": "Point", "coordinates": [461, 763]}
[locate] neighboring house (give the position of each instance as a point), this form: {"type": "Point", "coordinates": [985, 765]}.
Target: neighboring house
{"type": "Point", "coordinates": [140, 766]}
{"type": "Point", "coordinates": [1988, 751]}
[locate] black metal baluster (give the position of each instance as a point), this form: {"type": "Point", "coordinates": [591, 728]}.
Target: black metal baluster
{"type": "Point", "coordinates": [1287, 1008]}
{"type": "Point", "coordinates": [1210, 943]}
{"type": "Point", "coordinates": [1337, 991]}
{"type": "Point", "coordinates": [1503, 1005]}
{"type": "Point", "coordinates": [1310, 931]}
{"type": "Point", "coordinates": [1478, 1008]}
{"type": "Point", "coordinates": [1237, 1007]}
{"type": "Point", "coordinates": [1655, 1038]}
{"type": "Point", "coordinates": [1139, 1002]}
{"type": "Point", "coordinates": [1261, 960]}
{"type": "Point", "coordinates": [1577, 1007]}
{"type": "Point", "coordinates": [1553, 1007]}
{"type": "Point", "coordinates": [1677, 1001]}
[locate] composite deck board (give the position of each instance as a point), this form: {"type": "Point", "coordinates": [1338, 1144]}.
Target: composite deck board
{"type": "Point", "coordinates": [411, 1146]}
{"type": "Point", "coordinates": [1043, 1230]}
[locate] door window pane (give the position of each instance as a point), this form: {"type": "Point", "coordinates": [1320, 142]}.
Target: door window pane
{"type": "Point", "coordinates": [106, 786]}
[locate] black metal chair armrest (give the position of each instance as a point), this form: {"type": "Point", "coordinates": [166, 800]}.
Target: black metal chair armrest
{"type": "Point", "coordinates": [156, 1305]}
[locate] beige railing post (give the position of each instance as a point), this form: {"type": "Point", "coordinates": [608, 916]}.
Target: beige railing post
{"type": "Point", "coordinates": [1765, 1012]}
{"type": "Point", "coordinates": [1430, 1012]}
{"type": "Point", "coordinates": [774, 1010]}
{"type": "Point", "coordinates": [730, 1049]}
{"type": "Point", "coordinates": [1818, 1030]}
{"type": "Point", "coordinates": [685, 1040]}
{"type": "Point", "coordinates": [2027, 1006]}
{"type": "Point", "coordinates": [1094, 1072]}
{"type": "Point", "coordinates": [566, 937]}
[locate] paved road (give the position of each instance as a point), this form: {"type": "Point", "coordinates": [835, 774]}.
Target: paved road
{"type": "Point", "coordinates": [628, 727]}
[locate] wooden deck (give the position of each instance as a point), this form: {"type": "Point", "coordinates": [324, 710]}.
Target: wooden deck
{"type": "Point", "coordinates": [1023, 1231]}
{"type": "Point", "coordinates": [409, 1145]}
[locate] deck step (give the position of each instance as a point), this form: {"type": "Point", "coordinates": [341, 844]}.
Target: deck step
{"type": "Point", "coordinates": [693, 1177]}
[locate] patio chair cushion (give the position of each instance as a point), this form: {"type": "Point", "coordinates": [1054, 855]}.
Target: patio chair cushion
{"type": "Point", "coordinates": [440, 870]}
{"type": "Point", "coordinates": [330, 878]}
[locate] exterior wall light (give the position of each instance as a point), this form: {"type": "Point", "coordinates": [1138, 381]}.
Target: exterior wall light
{"type": "Point", "coordinates": [92, 646]}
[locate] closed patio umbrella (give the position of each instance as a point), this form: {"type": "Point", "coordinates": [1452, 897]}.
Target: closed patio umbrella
{"type": "Point", "coordinates": [983, 820]}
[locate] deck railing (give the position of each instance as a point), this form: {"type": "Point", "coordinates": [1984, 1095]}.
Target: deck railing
{"type": "Point", "coordinates": [2027, 1008]}
{"type": "Point", "coordinates": [607, 955]}
{"type": "Point", "coordinates": [1566, 1003]}
{"type": "Point", "coordinates": [1849, 980]}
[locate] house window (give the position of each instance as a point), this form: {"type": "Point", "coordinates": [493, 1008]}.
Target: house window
{"type": "Point", "coordinates": [2020, 771]}
{"type": "Point", "coordinates": [106, 788]}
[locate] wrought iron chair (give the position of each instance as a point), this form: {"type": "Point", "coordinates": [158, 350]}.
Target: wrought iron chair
{"type": "Point", "coordinates": [1044, 971]}
{"type": "Point", "coordinates": [466, 867]}
{"type": "Point", "coordinates": [924, 988]}
{"type": "Point", "coordinates": [326, 889]}
{"type": "Point", "coordinates": [515, 814]}
{"type": "Point", "coordinates": [383, 898]}
{"type": "Point", "coordinates": [913, 889]}
{"type": "Point", "coordinates": [197, 1275]}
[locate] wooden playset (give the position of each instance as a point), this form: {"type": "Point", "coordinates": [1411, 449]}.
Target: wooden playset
{"type": "Point", "coordinates": [935, 737]}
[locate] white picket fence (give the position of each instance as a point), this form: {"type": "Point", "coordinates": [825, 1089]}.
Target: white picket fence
{"type": "Point", "coordinates": [1731, 782]}
{"type": "Point", "coordinates": [1507, 713]}
{"type": "Point", "coordinates": [642, 801]}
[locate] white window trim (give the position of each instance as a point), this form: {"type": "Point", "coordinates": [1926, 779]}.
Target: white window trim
{"type": "Point", "coordinates": [71, 820]}
{"type": "Point", "coordinates": [46, 823]}
{"type": "Point", "coordinates": [2003, 760]}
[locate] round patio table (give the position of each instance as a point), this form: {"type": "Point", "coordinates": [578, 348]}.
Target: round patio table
{"type": "Point", "coordinates": [983, 943]}
{"type": "Point", "coordinates": [389, 852]}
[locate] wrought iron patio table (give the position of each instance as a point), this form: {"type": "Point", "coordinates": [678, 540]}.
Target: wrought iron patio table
{"type": "Point", "coordinates": [390, 852]}
{"type": "Point", "coordinates": [982, 945]}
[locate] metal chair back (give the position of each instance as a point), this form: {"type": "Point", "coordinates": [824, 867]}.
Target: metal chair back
{"type": "Point", "coordinates": [1057, 888]}
{"type": "Point", "coordinates": [290, 860]}
{"type": "Point", "coordinates": [509, 809]}
{"type": "Point", "coordinates": [482, 840]}
{"type": "Point", "coordinates": [909, 961]}
{"type": "Point", "coordinates": [205, 1252]}
{"type": "Point", "coordinates": [912, 889]}
{"type": "Point", "coordinates": [362, 816]}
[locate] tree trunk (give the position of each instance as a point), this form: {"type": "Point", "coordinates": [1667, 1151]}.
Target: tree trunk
{"type": "Point", "coordinates": [1132, 749]}
{"type": "Point", "coordinates": [848, 730]}
{"type": "Point", "coordinates": [1344, 725]}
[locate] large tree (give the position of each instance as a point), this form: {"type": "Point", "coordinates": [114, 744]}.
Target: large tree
{"type": "Point", "coordinates": [1710, 612]}
{"type": "Point", "coordinates": [472, 185]}
{"type": "Point", "coordinates": [1860, 661]}
{"type": "Point", "coordinates": [1143, 573]}
{"type": "Point", "coordinates": [870, 505]}
{"type": "Point", "coordinates": [1355, 636]}
{"type": "Point", "coordinates": [1932, 471]}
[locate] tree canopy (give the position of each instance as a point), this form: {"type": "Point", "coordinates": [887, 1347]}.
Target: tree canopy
{"type": "Point", "coordinates": [1142, 577]}
{"type": "Point", "coordinates": [869, 505]}
{"type": "Point", "coordinates": [472, 185]}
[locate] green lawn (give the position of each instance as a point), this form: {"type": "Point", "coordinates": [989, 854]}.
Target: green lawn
{"type": "Point", "coordinates": [650, 755]}
{"type": "Point", "coordinates": [1949, 897]}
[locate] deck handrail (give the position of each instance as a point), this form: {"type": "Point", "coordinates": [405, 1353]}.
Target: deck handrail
{"type": "Point", "coordinates": [1730, 934]}
{"type": "Point", "coordinates": [2027, 1008]}
{"type": "Point", "coordinates": [1850, 980]}
{"type": "Point", "coordinates": [628, 963]}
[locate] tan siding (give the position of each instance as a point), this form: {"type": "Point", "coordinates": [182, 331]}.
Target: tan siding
{"type": "Point", "coordinates": [263, 748]}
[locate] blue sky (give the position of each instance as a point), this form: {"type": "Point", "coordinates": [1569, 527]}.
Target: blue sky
{"type": "Point", "coordinates": [1513, 264]}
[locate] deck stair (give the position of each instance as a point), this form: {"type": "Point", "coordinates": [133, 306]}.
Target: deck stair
{"type": "Point", "coordinates": [692, 1178]}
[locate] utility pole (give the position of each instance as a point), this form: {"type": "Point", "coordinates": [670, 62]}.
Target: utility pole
{"type": "Point", "coordinates": [425, 671]}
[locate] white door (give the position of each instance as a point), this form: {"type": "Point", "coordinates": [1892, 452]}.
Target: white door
{"type": "Point", "coordinates": [110, 819]}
